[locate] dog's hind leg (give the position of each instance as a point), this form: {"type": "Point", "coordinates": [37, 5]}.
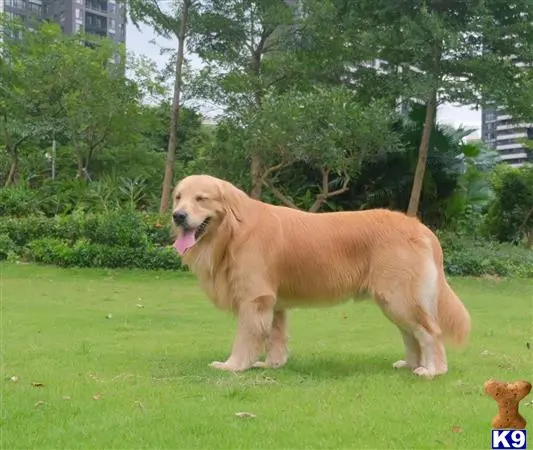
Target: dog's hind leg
{"type": "Point", "coordinates": [254, 324]}
{"type": "Point", "coordinates": [412, 307]}
{"type": "Point", "coordinates": [277, 353]}
{"type": "Point", "coordinates": [412, 352]}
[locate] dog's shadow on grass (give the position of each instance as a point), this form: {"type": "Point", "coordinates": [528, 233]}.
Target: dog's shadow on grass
{"type": "Point", "coordinates": [339, 366]}
{"type": "Point", "coordinates": [327, 367]}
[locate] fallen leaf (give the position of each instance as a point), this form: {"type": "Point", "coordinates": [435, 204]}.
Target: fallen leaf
{"type": "Point", "coordinates": [457, 429]}
{"type": "Point", "coordinates": [14, 378]}
{"type": "Point", "coordinates": [139, 404]}
{"type": "Point", "coordinates": [485, 353]}
{"type": "Point", "coordinates": [246, 415]}
{"type": "Point", "coordinates": [96, 397]}
{"type": "Point", "coordinates": [109, 316]}
{"type": "Point", "coordinates": [40, 403]}
{"type": "Point", "coordinates": [139, 305]}
{"type": "Point", "coordinates": [66, 397]}
{"type": "Point", "coordinates": [35, 384]}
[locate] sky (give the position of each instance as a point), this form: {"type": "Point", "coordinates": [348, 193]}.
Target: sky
{"type": "Point", "coordinates": [139, 42]}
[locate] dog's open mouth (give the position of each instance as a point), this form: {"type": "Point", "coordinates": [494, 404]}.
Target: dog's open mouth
{"type": "Point", "coordinates": [189, 236]}
{"type": "Point", "coordinates": [201, 229]}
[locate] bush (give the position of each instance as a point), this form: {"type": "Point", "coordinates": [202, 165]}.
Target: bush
{"type": "Point", "coordinates": [116, 239]}
{"type": "Point", "coordinates": [17, 201]}
{"type": "Point", "coordinates": [465, 256]}
{"type": "Point", "coordinates": [129, 239]}
{"type": "Point", "coordinates": [7, 246]}
{"type": "Point", "coordinates": [85, 254]}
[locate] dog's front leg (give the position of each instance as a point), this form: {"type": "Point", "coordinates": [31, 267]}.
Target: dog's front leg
{"type": "Point", "coordinates": [254, 323]}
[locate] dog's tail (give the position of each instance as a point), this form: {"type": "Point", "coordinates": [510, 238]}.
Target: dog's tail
{"type": "Point", "coordinates": [453, 317]}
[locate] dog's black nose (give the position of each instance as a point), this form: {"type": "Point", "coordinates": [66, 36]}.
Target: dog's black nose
{"type": "Point", "coordinates": [179, 217]}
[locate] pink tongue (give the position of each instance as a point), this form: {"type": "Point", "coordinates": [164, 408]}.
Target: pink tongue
{"type": "Point", "coordinates": [185, 241]}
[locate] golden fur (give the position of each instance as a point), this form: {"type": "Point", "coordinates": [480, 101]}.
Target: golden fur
{"type": "Point", "coordinates": [258, 260]}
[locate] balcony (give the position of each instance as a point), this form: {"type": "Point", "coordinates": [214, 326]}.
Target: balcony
{"type": "Point", "coordinates": [516, 145]}
{"type": "Point", "coordinates": [24, 6]}
{"type": "Point", "coordinates": [95, 24]}
{"type": "Point", "coordinates": [520, 135]}
{"type": "Point", "coordinates": [96, 6]}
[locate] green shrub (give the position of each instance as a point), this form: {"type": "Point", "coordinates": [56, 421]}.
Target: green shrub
{"type": "Point", "coordinates": [7, 246]}
{"type": "Point", "coordinates": [50, 251]}
{"type": "Point", "coordinates": [129, 239]}
{"type": "Point", "coordinates": [25, 229]}
{"type": "Point", "coordinates": [17, 201]}
{"type": "Point", "coordinates": [465, 256]}
{"type": "Point", "coordinates": [121, 228]}
{"type": "Point", "coordinates": [85, 254]}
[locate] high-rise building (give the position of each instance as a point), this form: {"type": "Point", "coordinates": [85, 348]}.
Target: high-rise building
{"type": "Point", "coordinates": [506, 135]}
{"type": "Point", "coordinates": [105, 18]}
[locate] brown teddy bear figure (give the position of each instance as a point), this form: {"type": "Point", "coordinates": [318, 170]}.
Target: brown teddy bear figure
{"type": "Point", "coordinates": [508, 397]}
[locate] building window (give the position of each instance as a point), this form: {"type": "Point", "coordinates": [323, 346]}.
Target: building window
{"type": "Point", "coordinates": [78, 13]}
{"type": "Point", "coordinates": [490, 116]}
{"type": "Point", "coordinates": [111, 24]}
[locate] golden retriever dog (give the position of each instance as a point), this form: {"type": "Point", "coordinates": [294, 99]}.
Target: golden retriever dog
{"type": "Point", "coordinates": [259, 260]}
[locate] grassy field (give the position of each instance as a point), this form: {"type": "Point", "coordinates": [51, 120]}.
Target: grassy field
{"type": "Point", "coordinates": [119, 359]}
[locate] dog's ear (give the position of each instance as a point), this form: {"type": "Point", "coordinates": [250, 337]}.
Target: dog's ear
{"type": "Point", "coordinates": [233, 200]}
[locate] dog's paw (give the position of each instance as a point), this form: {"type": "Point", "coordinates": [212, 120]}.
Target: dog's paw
{"type": "Point", "coordinates": [220, 366]}
{"type": "Point", "coordinates": [401, 364]}
{"type": "Point", "coordinates": [423, 372]}
{"type": "Point", "coordinates": [260, 365]}
{"type": "Point", "coordinates": [226, 366]}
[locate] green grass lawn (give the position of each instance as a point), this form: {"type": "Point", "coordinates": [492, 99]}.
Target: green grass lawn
{"type": "Point", "coordinates": [119, 359]}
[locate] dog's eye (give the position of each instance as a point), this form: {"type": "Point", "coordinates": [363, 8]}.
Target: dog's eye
{"type": "Point", "coordinates": [200, 198]}
{"type": "Point", "coordinates": [178, 197]}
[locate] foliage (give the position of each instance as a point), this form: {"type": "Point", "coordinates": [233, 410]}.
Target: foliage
{"type": "Point", "coordinates": [122, 239]}
{"type": "Point", "coordinates": [116, 239]}
{"type": "Point", "coordinates": [99, 104]}
{"type": "Point", "coordinates": [510, 214]}
{"type": "Point", "coordinates": [431, 51]}
{"type": "Point", "coordinates": [7, 246]}
{"type": "Point", "coordinates": [29, 91]}
{"type": "Point", "coordinates": [84, 254]}
{"type": "Point", "coordinates": [240, 43]}
{"type": "Point", "coordinates": [465, 256]}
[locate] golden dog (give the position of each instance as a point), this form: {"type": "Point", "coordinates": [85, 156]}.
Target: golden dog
{"type": "Point", "coordinates": [258, 260]}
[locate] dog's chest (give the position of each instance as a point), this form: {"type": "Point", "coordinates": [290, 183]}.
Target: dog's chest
{"type": "Point", "coordinates": [219, 286]}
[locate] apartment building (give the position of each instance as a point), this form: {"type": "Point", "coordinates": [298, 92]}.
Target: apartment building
{"type": "Point", "coordinates": [506, 135]}
{"type": "Point", "coordinates": [99, 17]}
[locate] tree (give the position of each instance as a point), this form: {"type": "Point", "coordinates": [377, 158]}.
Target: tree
{"type": "Point", "coordinates": [174, 24]}
{"type": "Point", "coordinates": [324, 130]}
{"type": "Point", "coordinates": [240, 42]}
{"type": "Point", "coordinates": [99, 104]}
{"type": "Point", "coordinates": [435, 51]}
{"type": "Point", "coordinates": [510, 215]}
{"type": "Point", "coordinates": [29, 91]}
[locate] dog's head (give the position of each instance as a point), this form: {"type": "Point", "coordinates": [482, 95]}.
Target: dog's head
{"type": "Point", "coordinates": [201, 205]}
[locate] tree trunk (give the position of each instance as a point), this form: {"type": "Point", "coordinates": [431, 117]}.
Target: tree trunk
{"type": "Point", "coordinates": [529, 242]}
{"type": "Point", "coordinates": [256, 175]}
{"type": "Point", "coordinates": [423, 150]}
{"type": "Point", "coordinates": [168, 178]}
{"type": "Point", "coordinates": [256, 169]}
{"type": "Point", "coordinates": [80, 175]}
{"type": "Point", "coordinates": [13, 169]}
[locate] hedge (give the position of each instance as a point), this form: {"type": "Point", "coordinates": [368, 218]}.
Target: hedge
{"type": "Point", "coordinates": [135, 240]}
{"type": "Point", "coordinates": [118, 239]}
